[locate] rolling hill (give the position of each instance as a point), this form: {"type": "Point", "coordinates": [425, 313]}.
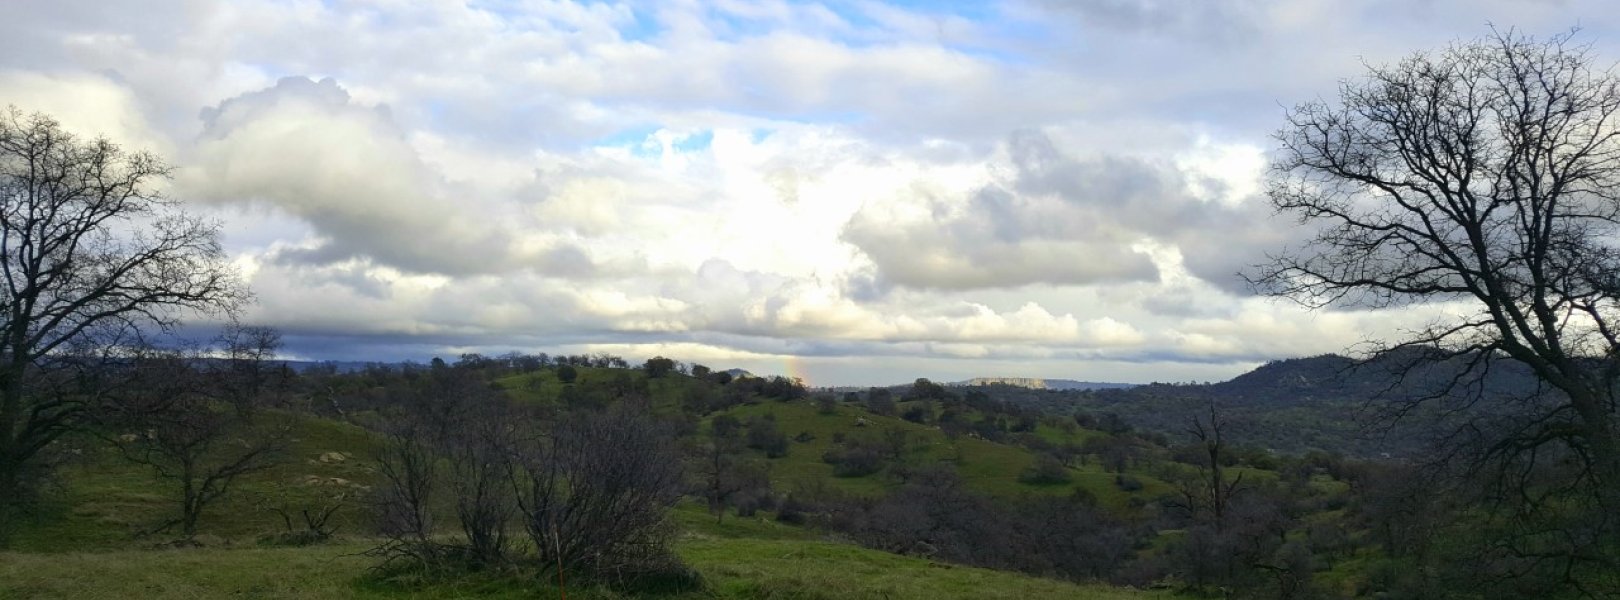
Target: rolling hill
{"type": "Point", "coordinates": [85, 540]}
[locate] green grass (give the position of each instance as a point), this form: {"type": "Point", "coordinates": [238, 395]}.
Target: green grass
{"type": "Point", "coordinates": [543, 387]}
{"type": "Point", "coordinates": [106, 500]}
{"type": "Point", "coordinates": [732, 568]}
{"type": "Point", "coordinates": [695, 520]}
{"type": "Point", "coordinates": [814, 570]}
{"type": "Point", "coordinates": [745, 558]}
{"type": "Point", "coordinates": [989, 467]}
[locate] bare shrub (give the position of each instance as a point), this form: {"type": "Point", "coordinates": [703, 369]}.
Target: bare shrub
{"type": "Point", "coordinates": [594, 494]}
{"type": "Point", "coordinates": [408, 467]}
{"type": "Point", "coordinates": [477, 453]}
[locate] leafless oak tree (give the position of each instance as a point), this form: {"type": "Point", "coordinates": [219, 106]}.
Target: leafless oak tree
{"type": "Point", "coordinates": [170, 416]}
{"type": "Point", "coordinates": [725, 472]}
{"type": "Point", "coordinates": [89, 251]}
{"type": "Point", "coordinates": [1210, 491]}
{"type": "Point", "coordinates": [1487, 176]}
{"type": "Point", "coordinates": [249, 370]}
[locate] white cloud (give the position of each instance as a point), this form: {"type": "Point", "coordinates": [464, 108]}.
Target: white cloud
{"type": "Point", "coordinates": [305, 148]}
{"type": "Point", "coordinates": [1038, 188]}
{"type": "Point", "coordinates": [87, 105]}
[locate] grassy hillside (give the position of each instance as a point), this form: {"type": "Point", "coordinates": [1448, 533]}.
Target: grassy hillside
{"type": "Point", "coordinates": [733, 568]}
{"type": "Point", "coordinates": [739, 558]}
{"type": "Point", "coordinates": [102, 500]}
{"type": "Point", "coordinates": [82, 547]}
{"type": "Point", "coordinates": [987, 466]}
{"type": "Point", "coordinates": [83, 542]}
{"type": "Point", "coordinates": [543, 386]}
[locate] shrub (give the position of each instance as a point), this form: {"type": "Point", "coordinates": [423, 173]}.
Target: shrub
{"type": "Point", "coordinates": [567, 373]}
{"type": "Point", "coordinates": [856, 458]}
{"type": "Point", "coordinates": [603, 514]}
{"type": "Point", "coordinates": [1126, 483]}
{"type": "Point", "coordinates": [658, 366]}
{"type": "Point", "coordinates": [724, 426]}
{"type": "Point", "coordinates": [792, 511]}
{"type": "Point", "coordinates": [880, 401]}
{"type": "Point", "coordinates": [1047, 470]}
{"type": "Point", "coordinates": [919, 413]}
{"type": "Point", "coordinates": [826, 404]}
{"type": "Point", "coordinates": [765, 436]}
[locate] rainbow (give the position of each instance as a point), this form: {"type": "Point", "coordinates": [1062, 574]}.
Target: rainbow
{"type": "Point", "coordinates": [794, 367]}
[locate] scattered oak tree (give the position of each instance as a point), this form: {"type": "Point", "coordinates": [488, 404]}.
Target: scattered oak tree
{"type": "Point", "coordinates": [659, 366]}
{"type": "Point", "coordinates": [726, 472]}
{"type": "Point", "coordinates": [91, 254]}
{"type": "Point", "coordinates": [567, 373]}
{"type": "Point", "coordinates": [171, 417]}
{"type": "Point", "coordinates": [1487, 176]}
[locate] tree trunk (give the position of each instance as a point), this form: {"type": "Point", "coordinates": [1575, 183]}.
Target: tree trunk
{"type": "Point", "coordinates": [10, 490]}
{"type": "Point", "coordinates": [11, 454]}
{"type": "Point", "coordinates": [1605, 449]}
{"type": "Point", "coordinates": [189, 506]}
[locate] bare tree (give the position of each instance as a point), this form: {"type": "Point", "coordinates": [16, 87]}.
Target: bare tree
{"type": "Point", "coordinates": [166, 418]}
{"type": "Point", "coordinates": [249, 369]}
{"type": "Point", "coordinates": [1486, 175]}
{"type": "Point", "coordinates": [725, 472]}
{"type": "Point", "coordinates": [408, 466]}
{"type": "Point", "coordinates": [89, 250]}
{"type": "Point", "coordinates": [478, 450]}
{"type": "Point", "coordinates": [600, 512]}
{"type": "Point", "coordinates": [451, 435]}
{"type": "Point", "coordinates": [1214, 492]}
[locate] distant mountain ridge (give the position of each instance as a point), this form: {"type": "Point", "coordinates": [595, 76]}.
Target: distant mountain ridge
{"type": "Point", "coordinates": [1329, 402]}
{"type": "Point", "coordinates": [1036, 383]}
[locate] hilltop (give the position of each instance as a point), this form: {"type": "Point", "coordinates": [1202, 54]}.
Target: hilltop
{"type": "Point", "coordinates": [1329, 402]}
{"type": "Point", "coordinates": [103, 503]}
{"type": "Point", "coordinates": [920, 491]}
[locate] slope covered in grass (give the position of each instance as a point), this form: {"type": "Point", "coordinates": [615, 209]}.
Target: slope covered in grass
{"type": "Point", "coordinates": [543, 387]}
{"type": "Point", "coordinates": [82, 544]}
{"type": "Point", "coordinates": [739, 568]}
{"type": "Point", "coordinates": [987, 466]}
{"type": "Point", "coordinates": [102, 501]}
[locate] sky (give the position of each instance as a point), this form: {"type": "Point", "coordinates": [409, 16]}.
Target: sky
{"type": "Point", "coordinates": [852, 192]}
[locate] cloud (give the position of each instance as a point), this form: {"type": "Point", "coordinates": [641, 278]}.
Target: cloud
{"type": "Point", "coordinates": [886, 190]}
{"type": "Point", "coordinates": [306, 148]}
{"type": "Point", "coordinates": [1049, 217]}
{"type": "Point", "coordinates": [87, 105]}
{"type": "Point", "coordinates": [1211, 22]}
